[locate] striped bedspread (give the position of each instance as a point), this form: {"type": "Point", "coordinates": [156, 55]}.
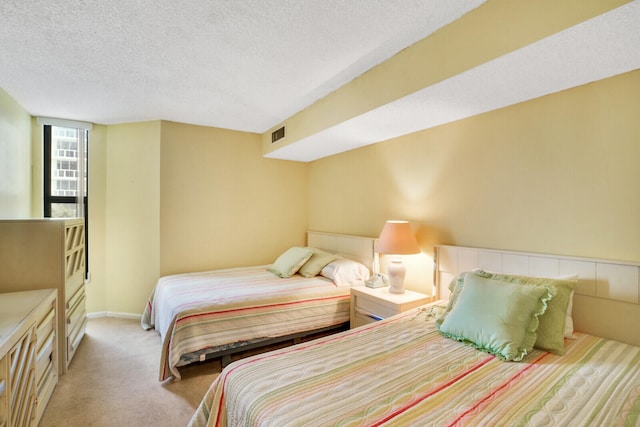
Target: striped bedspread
{"type": "Point", "coordinates": [401, 372]}
{"type": "Point", "coordinates": [216, 308]}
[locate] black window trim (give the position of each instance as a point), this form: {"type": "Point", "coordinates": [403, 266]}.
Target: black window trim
{"type": "Point", "coordinates": [49, 199]}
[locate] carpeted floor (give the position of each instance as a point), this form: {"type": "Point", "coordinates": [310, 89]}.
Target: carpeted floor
{"type": "Point", "coordinates": [113, 381]}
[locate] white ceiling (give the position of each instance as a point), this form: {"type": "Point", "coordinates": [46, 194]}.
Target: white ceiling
{"type": "Point", "coordinates": [593, 50]}
{"type": "Point", "coordinates": [248, 65]}
{"type": "Point", "coordinates": [244, 65]}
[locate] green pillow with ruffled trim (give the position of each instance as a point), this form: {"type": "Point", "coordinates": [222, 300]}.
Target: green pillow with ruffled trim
{"type": "Point", "coordinates": [551, 332]}
{"type": "Point", "coordinates": [496, 316]}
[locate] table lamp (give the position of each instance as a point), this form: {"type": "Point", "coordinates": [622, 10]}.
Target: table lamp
{"type": "Point", "coordinates": [397, 238]}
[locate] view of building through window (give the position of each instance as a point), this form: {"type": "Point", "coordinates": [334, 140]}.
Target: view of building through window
{"type": "Point", "coordinates": [68, 170]}
{"type": "Point", "coordinates": [65, 166]}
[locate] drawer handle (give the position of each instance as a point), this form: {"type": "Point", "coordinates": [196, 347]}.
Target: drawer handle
{"type": "Point", "coordinates": [368, 314]}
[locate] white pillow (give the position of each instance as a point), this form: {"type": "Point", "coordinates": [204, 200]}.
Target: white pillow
{"type": "Point", "coordinates": [345, 272]}
{"type": "Point", "coordinates": [568, 324]}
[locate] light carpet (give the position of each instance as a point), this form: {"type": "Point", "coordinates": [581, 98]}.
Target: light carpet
{"type": "Point", "coordinates": [113, 381]}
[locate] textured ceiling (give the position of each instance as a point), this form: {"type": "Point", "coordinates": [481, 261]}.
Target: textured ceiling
{"type": "Point", "coordinates": [602, 47]}
{"type": "Point", "coordinates": [244, 65]}
{"type": "Point", "coordinates": [249, 65]}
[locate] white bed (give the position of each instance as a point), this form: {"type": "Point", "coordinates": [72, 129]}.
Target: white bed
{"type": "Point", "coordinates": [404, 371]}
{"type": "Point", "coordinates": [607, 296]}
{"type": "Point", "coordinates": [217, 313]}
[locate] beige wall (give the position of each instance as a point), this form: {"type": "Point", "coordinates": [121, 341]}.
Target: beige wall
{"type": "Point", "coordinates": [132, 215]}
{"type": "Point", "coordinates": [97, 287]}
{"type": "Point", "coordinates": [15, 159]}
{"type": "Point", "coordinates": [495, 28]}
{"type": "Point", "coordinates": [37, 169]}
{"type": "Point", "coordinates": [169, 197]}
{"type": "Point", "coordinates": [164, 198]}
{"type": "Point", "coordinates": [558, 174]}
{"type": "Point", "coordinates": [222, 204]}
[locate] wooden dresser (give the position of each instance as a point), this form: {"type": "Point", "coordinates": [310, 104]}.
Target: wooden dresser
{"type": "Point", "coordinates": [28, 355]}
{"type": "Point", "coordinates": [43, 254]}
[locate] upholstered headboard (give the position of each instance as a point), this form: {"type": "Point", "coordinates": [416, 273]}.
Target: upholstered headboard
{"type": "Point", "coordinates": [606, 301]}
{"type": "Point", "coordinates": [361, 249]}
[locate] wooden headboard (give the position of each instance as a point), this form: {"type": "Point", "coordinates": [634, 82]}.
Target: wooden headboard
{"type": "Point", "coordinates": [606, 301]}
{"type": "Point", "coordinates": [357, 248]}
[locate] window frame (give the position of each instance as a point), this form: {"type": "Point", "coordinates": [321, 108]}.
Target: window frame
{"type": "Point", "coordinates": [49, 199]}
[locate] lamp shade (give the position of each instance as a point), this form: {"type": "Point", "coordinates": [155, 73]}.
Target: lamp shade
{"type": "Point", "coordinates": [397, 238]}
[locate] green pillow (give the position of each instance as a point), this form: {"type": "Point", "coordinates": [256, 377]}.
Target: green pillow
{"type": "Point", "coordinates": [552, 323]}
{"type": "Point", "coordinates": [495, 316]}
{"type": "Point", "coordinates": [316, 263]}
{"type": "Point", "coordinates": [455, 287]}
{"type": "Point", "coordinates": [290, 261]}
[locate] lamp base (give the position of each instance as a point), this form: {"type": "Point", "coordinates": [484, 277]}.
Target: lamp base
{"type": "Point", "coordinates": [396, 270]}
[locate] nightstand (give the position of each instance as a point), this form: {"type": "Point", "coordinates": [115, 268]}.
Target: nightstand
{"type": "Point", "coordinates": [373, 304]}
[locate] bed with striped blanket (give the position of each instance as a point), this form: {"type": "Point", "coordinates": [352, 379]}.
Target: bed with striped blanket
{"type": "Point", "coordinates": [401, 371]}
{"type": "Point", "coordinates": [207, 312]}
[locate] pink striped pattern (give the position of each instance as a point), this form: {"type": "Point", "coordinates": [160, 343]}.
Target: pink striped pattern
{"type": "Point", "coordinates": [194, 311]}
{"type": "Point", "coordinates": [401, 372]}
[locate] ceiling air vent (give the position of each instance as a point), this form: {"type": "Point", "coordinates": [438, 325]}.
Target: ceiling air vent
{"type": "Point", "coordinates": [277, 135]}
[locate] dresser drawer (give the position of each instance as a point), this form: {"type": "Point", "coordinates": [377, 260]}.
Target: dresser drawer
{"type": "Point", "coordinates": [45, 388]}
{"type": "Point", "coordinates": [76, 311]}
{"type": "Point", "coordinates": [76, 325]}
{"type": "Point", "coordinates": [74, 338]}
{"type": "Point", "coordinates": [46, 326]}
{"type": "Point", "coordinates": [74, 298]}
{"type": "Point", "coordinates": [44, 355]}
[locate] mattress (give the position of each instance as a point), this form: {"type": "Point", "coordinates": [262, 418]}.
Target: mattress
{"type": "Point", "coordinates": [401, 371]}
{"type": "Point", "coordinates": [220, 308]}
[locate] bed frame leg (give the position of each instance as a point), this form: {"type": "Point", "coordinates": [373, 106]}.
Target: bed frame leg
{"type": "Point", "coordinates": [225, 360]}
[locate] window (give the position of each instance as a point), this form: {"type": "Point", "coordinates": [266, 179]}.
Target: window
{"type": "Point", "coordinates": [65, 176]}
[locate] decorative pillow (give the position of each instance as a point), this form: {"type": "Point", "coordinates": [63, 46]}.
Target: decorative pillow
{"type": "Point", "coordinates": [495, 316]}
{"type": "Point", "coordinates": [316, 263]}
{"type": "Point", "coordinates": [455, 287]}
{"type": "Point", "coordinates": [290, 261]}
{"type": "Point", "coordinates": [568, 323]}
{"type": "Point", "coordinates": [345, 272]}
{"type": "Point", "coordinates": [551, 331]}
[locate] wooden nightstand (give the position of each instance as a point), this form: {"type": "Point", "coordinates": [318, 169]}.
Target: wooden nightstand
{"type": "Point", "coordinates": [373, 304]}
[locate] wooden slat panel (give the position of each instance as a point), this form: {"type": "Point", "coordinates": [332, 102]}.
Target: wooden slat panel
{"type": "Point", "coordinates": [586, 271]}
{"type": "Point", "coordinates": [22, 378]}
{"type": "Point", "coordinates": [544, 267]}
{"type": "Point", "coordinates": [468, 259]}
{"type": "Point", "coordinates": [613, 282]}
{"type": "Point", "coordinates": [490, 261]}
{"type": "Point", "coordinates": [515, 264]}
{"type": "Point", "coordinates": [607, 297]}
{"type": "Point", "coordinates": [358, 248]}
{"type": "Point", "coordinates": [447, 259]}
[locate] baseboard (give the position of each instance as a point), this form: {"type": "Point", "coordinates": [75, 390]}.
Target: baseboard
{"type": "Point", "coordinates": [113, 314]}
